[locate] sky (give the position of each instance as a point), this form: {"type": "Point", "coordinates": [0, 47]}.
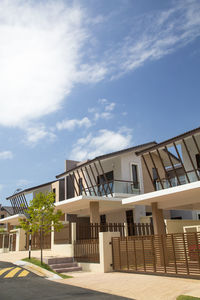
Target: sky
{"type": "Point", "coordinates": [83, 78]}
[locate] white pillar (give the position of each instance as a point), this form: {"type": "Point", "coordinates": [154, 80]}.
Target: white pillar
{"type": "Point", "coordinates": [125, 229]}
{"type": "Point", "coordinates": [52, 236]}
{"type": "Point", "coordinates": [138, 212]}
{"type": "Point", "coordinates": [94, 212]}
{"type": "Point", "coordinates": [73, 232]}
{"type": "Point", "coordinates": [105, 250]}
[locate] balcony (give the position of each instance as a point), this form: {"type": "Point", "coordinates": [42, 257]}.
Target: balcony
{"type": "Point", "coordinates": [174, 181]}
{"type": "Point", "coordinates": [114, 187]}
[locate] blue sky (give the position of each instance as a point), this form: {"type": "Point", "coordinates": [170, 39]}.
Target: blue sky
{"type": "Point", "coordinates": [84, 78]}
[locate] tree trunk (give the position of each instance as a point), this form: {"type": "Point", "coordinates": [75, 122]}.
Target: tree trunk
{"type": "Point", "coordinates": [29, 243]}
{"type": "Point", "coordinates": [41, 245]}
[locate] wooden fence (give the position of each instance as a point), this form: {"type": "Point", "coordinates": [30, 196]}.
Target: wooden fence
{"type": "Point", "coordinates": [87, 251]}
{"type": "Point", "coordinates": [173, 254]}
{"type": "Point", "coordinates": [91, 230]}
{"type": "Point", "coordinates": [4, 244]}
{"type": "Point", "coordinates": [63, 236]}
{"type": "Point", "coordinates": [35, 241]}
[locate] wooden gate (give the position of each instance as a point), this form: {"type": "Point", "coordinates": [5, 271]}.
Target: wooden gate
{"type": "Point", "coordinates": [171, 254]}
{"type": "Point", "coordinates": [35, 241]}
{"type": "Point", "coordinates": [12, 242]}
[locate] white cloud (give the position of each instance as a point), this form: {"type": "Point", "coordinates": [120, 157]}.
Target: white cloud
{"type": "Point", "coordinates": [37, 133]}
{"type": "Point", "coordinates": [103, 101]}
{"type": "Point", "coordinates": [106, 141]}
{"type": "Point", "coordinates": [72, 124]}
{"type": "Point", "coordinates": [106, 112]}
{"type": "Point", "coordinates": [110, 106]}
{"type": "Point", "coordinates": [160, 34]}
{"type": "Point", "coordinates": [52, 46]}
{"type": "Point", "coordinates": [6, 155]}
{"type": "Point", "coordinates": [40, 58]}
{"type": "Point", "coordinates": [103, 115]}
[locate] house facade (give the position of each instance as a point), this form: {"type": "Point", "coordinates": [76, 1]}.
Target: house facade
{"type": "Point", "coordinates": [112, 193]}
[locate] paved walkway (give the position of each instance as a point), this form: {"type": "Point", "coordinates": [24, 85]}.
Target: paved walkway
{"type": "Point", "coordinates": [134, 286]}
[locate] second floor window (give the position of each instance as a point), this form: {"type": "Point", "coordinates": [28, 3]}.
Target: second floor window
{"type": "Point", "coordinates": [198, 161]}
{"type": "Point", "coordinates": [135, 176]}
{"type": "Point", "coordinates": [155, 176]}
{"type": "Point", "coordinates": [54, 191]}
{"type": "Point", "coordinates": [80, 182]}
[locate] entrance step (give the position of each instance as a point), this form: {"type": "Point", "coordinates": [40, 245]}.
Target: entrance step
{"type": "Point", "coordinates": [66, 270]}
{"type": "Point", "coordinates": [58, 260]}
{"type": "Point", "coordinates": [62, 264]}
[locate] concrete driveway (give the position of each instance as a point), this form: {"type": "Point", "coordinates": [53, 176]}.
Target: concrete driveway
{"type": "Point", "coordinates": [136, 286]}
{"type": "Point", "coordinates": [33, 287]}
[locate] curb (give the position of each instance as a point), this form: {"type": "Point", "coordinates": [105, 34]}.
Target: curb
{"type": "Point", "coordinates": [38, 270]}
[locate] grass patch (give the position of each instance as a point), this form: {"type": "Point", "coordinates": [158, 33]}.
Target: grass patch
{"type": "Point", "coordinates": [184, 297]}
{"type": "Point", "coordinates": [37, 262]}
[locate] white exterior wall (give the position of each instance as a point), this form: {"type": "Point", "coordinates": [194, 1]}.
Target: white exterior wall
{"type": "Point", "coordinates": [126, 173]}
{"type": "Point", "coordinates": [45, 189]}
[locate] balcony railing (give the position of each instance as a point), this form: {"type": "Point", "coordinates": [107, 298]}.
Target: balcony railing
{"type": "Point", "coordinates": [114, 186]}
{"type": "Point", "coordinates": [174, 181]}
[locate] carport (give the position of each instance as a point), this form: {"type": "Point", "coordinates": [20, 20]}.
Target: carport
{"type": "Point", "coordinates": [175, 254]}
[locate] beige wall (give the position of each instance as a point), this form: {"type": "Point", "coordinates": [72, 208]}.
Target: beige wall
{"type": "Point", "coordinates": [176, 226]}
{"type": "Point", "coordinates": [148, 187]}
{"type": "Point", "coordinates": [116, 216]}
{"type": "Point", "coordinates": [55, 186]}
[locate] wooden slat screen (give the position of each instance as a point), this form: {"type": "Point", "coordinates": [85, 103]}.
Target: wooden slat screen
{"type": "Point", "coordinates": [35, 241]}
{"type": "Point", "coordinates": [91, 230]}
{"type": "Point", "coordinates": [63, 236]}
{"type": "Point", "coordinates": [87, 251]}
{"type": "Point", "coordinates": [173, 254]}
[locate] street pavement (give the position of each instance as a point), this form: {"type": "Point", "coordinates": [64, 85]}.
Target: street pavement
{"type": "Point", "coordinates": [16, 283]}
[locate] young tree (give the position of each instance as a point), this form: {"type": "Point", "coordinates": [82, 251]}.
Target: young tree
{"type": "Point", "coordinates": [41, 214]}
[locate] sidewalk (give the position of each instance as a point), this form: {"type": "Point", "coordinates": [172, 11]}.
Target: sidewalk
{"type": "Point", "coordinates": [136, 286]}
{"type": "Point", "coordinates": [18, 255]}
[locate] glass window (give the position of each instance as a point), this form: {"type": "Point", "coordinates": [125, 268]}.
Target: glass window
{"type": "Point", "coordinates": [198, 161]}
{"type": "Point", "coordinates": [135, 176]}
{"type": "Point", "coordinates": [80, 182]}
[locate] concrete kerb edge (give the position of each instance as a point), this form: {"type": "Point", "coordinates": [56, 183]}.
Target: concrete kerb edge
{"type": "Point", "coordinates": [37, 270]}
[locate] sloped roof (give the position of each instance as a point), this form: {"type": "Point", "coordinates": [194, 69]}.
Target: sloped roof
{"type": "Point", "coordinates": [112, 154]}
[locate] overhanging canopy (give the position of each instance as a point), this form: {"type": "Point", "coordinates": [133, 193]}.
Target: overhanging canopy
{"type": "Point", "coordinates": [13, 220]}
{"type": "Point", "coordinates": [186, 196]}
{"type": "Point", "coordinates": [80, 205]}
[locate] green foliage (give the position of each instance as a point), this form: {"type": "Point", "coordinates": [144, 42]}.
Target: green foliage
{"type": "Point", "coordinates": [185, 297]}
{"type": "Point", "coordinates": [44, 266]}
{"type": "Point", "coordinates": [2, 230]}
{"type": "Point", "coordinates": [41, 214]}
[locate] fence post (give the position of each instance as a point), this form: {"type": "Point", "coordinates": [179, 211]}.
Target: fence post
{"type": "Point", "coordinates": [105, 250]}
{"type": "Point", "coordinates": [73, 232]}
{"type": "Point", "coordinates": [73, 236]}
{"type": "Point", "coordinates": [125, 229]}
{"type": "Point", "coordinates": [3, 242]}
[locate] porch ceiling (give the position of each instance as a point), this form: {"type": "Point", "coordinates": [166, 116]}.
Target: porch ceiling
{"type": "Point", "coordinates": [186, 197]}
{"type": "Point", "coordinates": [13, 220]}
{"type": "Point", "coordinates": [80, 205]}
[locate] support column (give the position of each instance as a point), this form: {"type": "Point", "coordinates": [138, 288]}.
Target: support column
{"type": "Point", "coordinates": [94, 212]}
{"type": "Point", "coordinates": [105, 250]}
{"type": "Point", "coordinates": [125, 229]}
{"type": "Point", "coordinates": [158, 219]}
{"type": "Point", "coordinates": [160, 230]}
